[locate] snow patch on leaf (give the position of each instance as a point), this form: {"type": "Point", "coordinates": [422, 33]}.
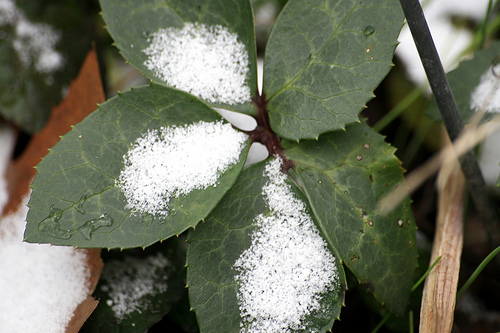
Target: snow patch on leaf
{"type": "Point", "coordinates": [130, 282]}
{"type": "Point", "coordinates": [486, 96]}
{"type": "Point", "coordinates": [284, 273]}
{"type": "Point", "coordinates": [207, 61]}
{"type": "Point", "coordinates": [173, 161]}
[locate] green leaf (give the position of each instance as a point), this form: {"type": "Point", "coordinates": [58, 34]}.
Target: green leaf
{"type": "Point", "coordinates": [344, 175]}
{"type": "Point", "coordinates": [131, 23]}
{"type": "Point", "coordinates": [464, 80]}
{"type": "Point", "coordinates": [157, 278]}
{"type": "Point", "coordinates": [323, 61]}
{"type": "Point", "coordinates": [27, 94]}
{"type": "Point", "coordinates": [214, 247]}
{"type": "Point", "coordinates": [75, 199]}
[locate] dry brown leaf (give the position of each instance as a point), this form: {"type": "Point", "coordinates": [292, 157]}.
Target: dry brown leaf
{"type": "Point", "coordinates": [85, 309]}
{"type": "Point", "coordinates": [440, 290]}
{"type": "Point", "coordinates": [85, 93]}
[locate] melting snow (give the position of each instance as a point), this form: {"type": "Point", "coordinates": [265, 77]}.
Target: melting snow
{"type": "Point", "coordinates": [174, 161]}
{"type": "Point", "coordinates": [129, 282]}
{"type": "Point", "coordinates": [283, 274]}
{"type": "Point", "coordinates": [207, 61]}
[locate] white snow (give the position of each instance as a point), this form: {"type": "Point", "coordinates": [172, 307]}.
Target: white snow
{"type": "Point", "coordinates": [130, 281]}
{"type": "Point", "coordinates": [489, 159]}
{"type": "Point", "coordinates": [486, 96]}
{"type": "Point", "coordinates": [7, 142]}
{"type": "Point", "coordinates": [41, 285]}
{"type": "Point", "coordinates": [173, 161]}
{"type": "Point", "coordinates": [207, 61]}
{"type": "Point", "coordinates": [288, 266]}
{"type": "Point", "coordinates": [8, 12]}
{"type": "Point", "coordinates": [450, 41]}
{"type": "Point", "coordinates": [34, 43]}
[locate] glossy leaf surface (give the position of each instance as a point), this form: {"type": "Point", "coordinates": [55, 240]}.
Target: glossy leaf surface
{"type": "Point", "coordinates": [344, 175]}
{"type": "Point", "coordinates": [215, 245]}
{"type": "Point", "coordinates": [131, 23]}
{"type": "Point", "coordinates": [323, 61]}
{"type": "Point", "coordinates": [75, 199]}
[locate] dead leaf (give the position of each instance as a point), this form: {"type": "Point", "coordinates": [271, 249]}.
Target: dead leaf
{"type": "Point", "coordinates": [85, 309]}
{"type": "Point", "coordinates": [85, 93]}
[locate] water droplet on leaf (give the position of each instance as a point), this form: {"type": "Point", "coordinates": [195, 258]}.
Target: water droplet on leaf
{"type": "Point", "coordinates": [369, 30]}
{"type": "Point", "coordinates": [89, 227]}
{"type": "Point", "coordinates": [400, 222]}
{"type": "Point", "coordinates": [80, 203]}
{"type": "Point", "coordinates": [50, 225]}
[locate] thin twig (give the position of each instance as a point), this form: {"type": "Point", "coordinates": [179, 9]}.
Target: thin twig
{"type": "Point", "coordinates": [439, 295]}
{"type": "Point", "coordinates": [468, 140]}
{"type": "Point", "coordinates": [449, 110]}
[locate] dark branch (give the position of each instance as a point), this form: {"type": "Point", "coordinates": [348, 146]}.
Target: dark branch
{"type": "Point", "coordinates": [449, 111]}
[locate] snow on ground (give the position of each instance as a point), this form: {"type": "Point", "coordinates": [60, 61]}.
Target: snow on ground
{"type": "Point", "coordinates": [41, 285]}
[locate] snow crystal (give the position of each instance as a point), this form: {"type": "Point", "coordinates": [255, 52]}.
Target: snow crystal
{"type": "Point", "coordinates": [486, 96]}
{"type": "Point", "coordinates": [174, 161]}
{"type": "Point", "coordinates": [287, 268]}
{"type": "Point", "coordinates": [130, 281]}
{"type": "Point", "coordinates": [41, 285]}
{"type": "Point", "coordinates": [34, 43]}
{"type": "Point", "coordinates": [8, 12]}
{"type": "Point", "coordinates": [207, 61]}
